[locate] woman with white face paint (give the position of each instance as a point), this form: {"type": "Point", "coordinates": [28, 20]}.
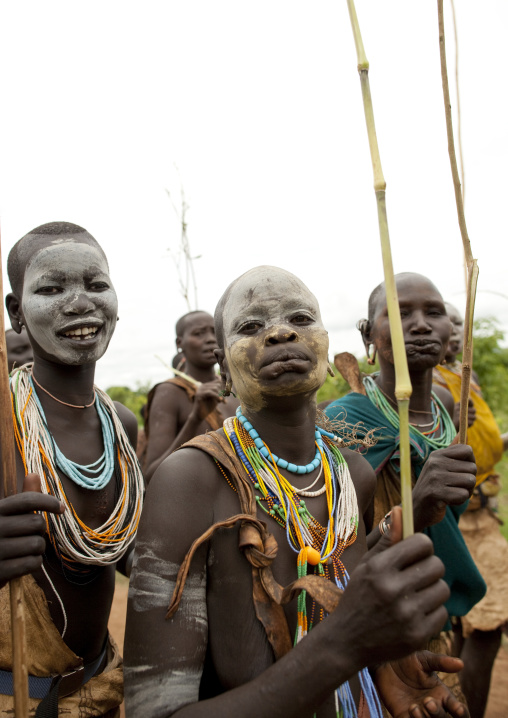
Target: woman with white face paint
{"type": "Point", "coordinates": [76, 468]}
{"type": "Point", "coordinates": [274, 499]}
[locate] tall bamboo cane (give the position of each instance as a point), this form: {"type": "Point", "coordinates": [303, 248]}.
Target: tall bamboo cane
{"type": "Point", "coordinates": [19, 664]}
{"type": "Point", "coordinates": [403, 388]}
{"type": "Point", "coordinates": [472, 265]}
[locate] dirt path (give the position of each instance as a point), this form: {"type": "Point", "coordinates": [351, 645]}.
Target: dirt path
{"type": "Point", "coordinates": [497, 707]}
{"type": "Point", "coordinates": [498, 700]}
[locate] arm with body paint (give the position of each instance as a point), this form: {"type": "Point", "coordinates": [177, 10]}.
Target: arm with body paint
{"type": "Point", "coordinates": [392, 604]}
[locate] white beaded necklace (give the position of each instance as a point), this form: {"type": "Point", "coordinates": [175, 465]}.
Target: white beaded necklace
{"type": "Point", "coordinates": [76, 541]}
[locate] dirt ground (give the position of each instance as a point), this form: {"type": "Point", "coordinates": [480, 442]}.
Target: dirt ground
{"type": "Point", "coordinates": [498, 700]}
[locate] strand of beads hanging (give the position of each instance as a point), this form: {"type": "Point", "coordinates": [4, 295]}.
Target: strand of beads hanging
{"type": "Point", "coordinates": [80, 547]}
{"type": "Point", "coordinates": [320, 547]}
{"type": "Point", "coordinates": [96, 475]}
{"type": "Point", "coordinates": [281, 463]}
{"type": "Point", "coordinates": [442, 431]}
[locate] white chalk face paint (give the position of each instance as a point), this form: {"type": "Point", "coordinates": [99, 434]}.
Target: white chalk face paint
{"type": "Point", "coordinates": [69, 303]}
{"type": "Point", "coordinates": [275, 342]}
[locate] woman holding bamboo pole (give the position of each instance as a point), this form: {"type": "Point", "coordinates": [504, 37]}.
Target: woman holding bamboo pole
{"type": "Point", "coordinates": [442, 474]}
{"type": "Point", "coordinates": [74, 446]}
{"type": "Point", "coordinates": [260, 504]}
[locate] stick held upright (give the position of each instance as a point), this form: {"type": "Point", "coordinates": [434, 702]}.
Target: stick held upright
{"type": "Point", "coordinates": [471, 264]}
{"type": "Point", "coordinates": [8, 456]}
{"type": "Point", "coordinates": [403, 388]}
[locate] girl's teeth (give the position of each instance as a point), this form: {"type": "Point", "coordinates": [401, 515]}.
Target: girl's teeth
{"type": "Point", "coordinates": [82, 332]}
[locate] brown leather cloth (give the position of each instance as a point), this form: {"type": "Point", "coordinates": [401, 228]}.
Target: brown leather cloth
{"type": "Point", "coordinates": [48, 655]}
{"type": "Point", "coordinates": [260, 549]}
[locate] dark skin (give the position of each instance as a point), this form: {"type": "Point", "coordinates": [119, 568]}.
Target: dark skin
{"type": "Point", "coordinates": [448, 475]}
{"type": "Point", "coordinates": [173, 418]}
{"type": "Point", "coordinates": [219, 661]}
{"type": "Point", "coordinates": [19, 350]}
{"type": "Point", "coordinates": [78, 434]}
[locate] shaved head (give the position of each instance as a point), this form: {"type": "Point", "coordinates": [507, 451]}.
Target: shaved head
{"type": "Point", "coordinates": [255, 278]}
{"type": "Point", "coordinates": [53, 233]}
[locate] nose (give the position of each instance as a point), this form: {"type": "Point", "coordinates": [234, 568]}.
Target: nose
{"type": "Point", "coordinates": [79, 304]}
{"type": "Point", "coordinates": [281, 334]}
{"type": "Point", "coordinates": [210, 337]}
{"type": "Point", "coordinates": [420, 324]}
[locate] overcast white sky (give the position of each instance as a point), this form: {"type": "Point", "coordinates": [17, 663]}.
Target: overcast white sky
{"type": "Point", "coordinates": [259, 107]}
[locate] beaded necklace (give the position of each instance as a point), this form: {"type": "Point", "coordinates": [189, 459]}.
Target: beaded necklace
{"type": "Point", "coordinates": [78, 546]}
{"type": "Point", "coordinates": [315, 545]}
{"type": "Point", "coordinates": [442, 431]}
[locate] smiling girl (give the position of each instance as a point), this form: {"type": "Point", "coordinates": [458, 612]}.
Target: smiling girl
{"type": "Point", "coordinates": [76, 469]}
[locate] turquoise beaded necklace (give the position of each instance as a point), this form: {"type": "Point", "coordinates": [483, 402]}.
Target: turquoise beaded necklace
{"type": "Point", "coordinates": [93, 476]}
{"type": "Point", "coordinates": [282, 463]}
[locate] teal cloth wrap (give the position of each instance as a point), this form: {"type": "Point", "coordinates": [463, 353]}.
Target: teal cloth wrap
{"type": "Point", "coordinates": [466, 584]}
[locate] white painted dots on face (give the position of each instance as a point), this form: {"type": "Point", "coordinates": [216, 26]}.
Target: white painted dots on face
{"type": "Point", "coordinates": [69, 303]}
{"type": "Point", "coordinates": [275, 342]}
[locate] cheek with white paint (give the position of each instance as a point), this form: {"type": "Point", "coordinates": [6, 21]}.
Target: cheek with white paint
{"type": "Point", "coordinates": [47, 314]}
{"type": "Point", "coordinates": [242, 357]}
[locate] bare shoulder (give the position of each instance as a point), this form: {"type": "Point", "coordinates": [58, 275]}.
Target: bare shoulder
{"type": "Point", "coordinates": [188, 482]}
{"type": "Point", "coordinates": [363, 476]}
{"type": "Point", "coordinates": [445, 397]}
{"type": "Point", "coordinates": [129, 421]}
{"type": "Point", "coordinates": [167, 394]}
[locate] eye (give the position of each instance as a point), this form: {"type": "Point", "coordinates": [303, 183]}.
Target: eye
{"type": "Point", "coordinates": [435, 312]}
{"type": "Point", "coordinates": [249, 327]}
{"type": "Point", "coordinates": [302, 319]}
{"type": "Point", "coordinates": [48, 290]}
{"type": "Point", "coordinates": [99, 286]}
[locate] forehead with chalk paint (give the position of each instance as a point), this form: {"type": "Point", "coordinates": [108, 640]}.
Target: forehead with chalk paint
{"type": "Point", "coordinates": [274, 340]}
{"type": "Point", "coordinates": [266, 293]}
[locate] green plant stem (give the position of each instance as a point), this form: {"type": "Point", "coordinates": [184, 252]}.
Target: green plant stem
{"type": "Point", "coordinates": [403, 387]}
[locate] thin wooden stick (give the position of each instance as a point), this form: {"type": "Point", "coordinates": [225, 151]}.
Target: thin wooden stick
{"type": "Point", "coordinates": [7, 448]}
{"type": "Point", "coordinates": [472, 265]}
{"type": "Point", "coordinates": [403, 388]}
{"type": "Point", "coordinates": [178, 372]}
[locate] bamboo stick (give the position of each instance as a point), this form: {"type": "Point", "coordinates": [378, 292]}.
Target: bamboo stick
{"type": "Point", "coordinates": [403, 388]}
{"type": "Point", "coordinates": [472, 265]}
{"type": "Point", "coordinates": [7, 448]}
{"type": "Point", "coordinates": [178, 372]}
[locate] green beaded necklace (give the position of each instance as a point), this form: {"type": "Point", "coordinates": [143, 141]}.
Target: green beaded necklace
{"type": "Point", "coordinates": [442, 417]}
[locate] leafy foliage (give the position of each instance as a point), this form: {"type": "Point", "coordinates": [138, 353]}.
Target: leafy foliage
{"type": "Point", "coordinates": [133, 399]}
{"type": "Point", "coordinates": [490, 362]}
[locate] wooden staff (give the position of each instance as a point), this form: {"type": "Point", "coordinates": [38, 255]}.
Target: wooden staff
{"type": "Point", "coordinates": [403, 388]}
{"type": "Point", "coordinates": [471, 264]}
{"type": "Point", "coordinates": [7, 448]}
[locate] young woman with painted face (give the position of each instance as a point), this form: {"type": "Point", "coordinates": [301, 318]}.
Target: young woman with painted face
{"type": "Point", "coordinates": [76, 468]}
{"type": "Point", "coordinates": [225, 648]}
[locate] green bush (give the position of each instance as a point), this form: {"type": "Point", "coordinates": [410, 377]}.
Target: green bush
{"type": "Point", "coordinates": [133, 399]}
